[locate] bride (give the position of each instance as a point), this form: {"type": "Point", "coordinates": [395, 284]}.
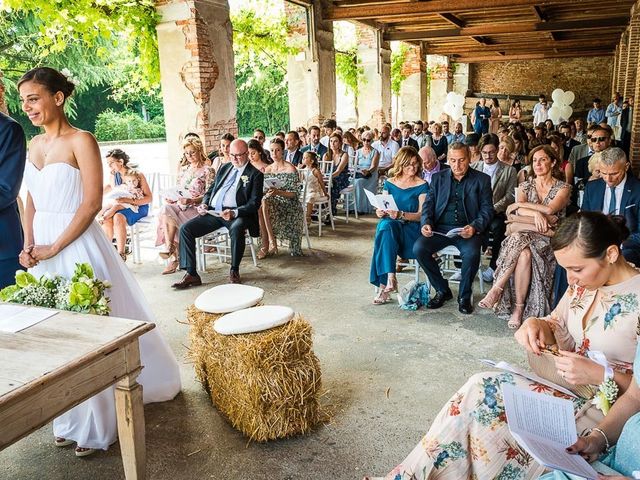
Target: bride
{"type": "Point", "coordinates": [64, 181]}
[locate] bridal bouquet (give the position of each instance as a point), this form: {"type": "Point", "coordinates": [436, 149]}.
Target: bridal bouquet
{"type": "Point", "coordinates": [82, 293]}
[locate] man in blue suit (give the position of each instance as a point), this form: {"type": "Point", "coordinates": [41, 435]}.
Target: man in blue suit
{"type": "Point", "coordinates": [459, 197]}
{"type": "Point", "coordinates": [314, 143]}
{"type": "Point", "coordinates": [617, 192]}
{"type": "Point", "coordinates": [13, 153]}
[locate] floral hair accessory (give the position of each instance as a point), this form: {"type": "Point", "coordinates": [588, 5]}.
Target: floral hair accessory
{"type": "Point", "coordinates": [70, 77]}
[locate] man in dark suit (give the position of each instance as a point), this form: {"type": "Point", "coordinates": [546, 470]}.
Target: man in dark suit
{"type": "Point", "coordinates": [235, 197]}
{"type": "Point", "coordinates": [292, 153]}
{"type": "Point", "coordinates": [459, 197]}
{"type": "Point", "coordinates": [407, 140]}
{"type": "Point", "coordinates": [601, 138]}
{"type": "Point", "coordinates": [314, 143]}
{"type": "Point", "coordinates": [569, 143]}
{"type": "Point", "coordinates": [13, 154]}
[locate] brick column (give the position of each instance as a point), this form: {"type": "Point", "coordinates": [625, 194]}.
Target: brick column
{"type": "Point", "coordinates": [634, 51]}
{"type": "Point", "coordinates": [440, 84]}
{"type": "Point", "coordinates": [623, 56]}
{"type": "Point", "coordinates": [616, 66]}
{"type": "Point", "coordinates": [412, 103]}
{"type": "Point", "coordinates": [374, 99]}
{"type": "Point", "coordinates": [311, 74]}
{"type": "Point", "coordinates": [3, 103]}
{"type": "Point", "coordinates": [197, 71]}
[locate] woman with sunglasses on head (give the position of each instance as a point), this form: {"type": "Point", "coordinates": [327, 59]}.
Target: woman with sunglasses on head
{"type": "Point", "coordinates": [366, 165]}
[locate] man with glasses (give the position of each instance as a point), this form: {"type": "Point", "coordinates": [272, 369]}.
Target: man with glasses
{"type": "Point", "coordinates": [232, 202]}
{"type": "Point", "coordinates": [419, 135]}
{"type": "Point", "coordinates": [601, 137]}
{"type": "Point", "coordinates": [387, 148]}
{"type": "Point", "coordinates": [504, 180]}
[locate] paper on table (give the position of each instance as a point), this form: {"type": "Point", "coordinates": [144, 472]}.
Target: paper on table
{"type": "Point", "coordinates": [381, 201]}
{"type": "Point", "coordinates": [14, 318]}
{"type": "Point", "coordinates": [544, 426]}
{"type": "Point", "coordinates": [531, 376]}
{"type": "Point", "coordinates": [451, 233]}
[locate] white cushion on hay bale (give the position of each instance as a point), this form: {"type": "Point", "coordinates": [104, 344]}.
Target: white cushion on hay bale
{"type": "Point", "coordinates": [228, 298]}
{"type": "Point", "coordinates": [254, 319]}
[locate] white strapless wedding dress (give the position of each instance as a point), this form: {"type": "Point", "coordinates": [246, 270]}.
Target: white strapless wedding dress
{"type": "Point", "coordinates": [56, 191]}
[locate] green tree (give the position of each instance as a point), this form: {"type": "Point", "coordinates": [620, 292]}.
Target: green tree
{"type": "Point", "coordinates": [398, 58]}
{"type": "Point", "coordinates": [351, 73]}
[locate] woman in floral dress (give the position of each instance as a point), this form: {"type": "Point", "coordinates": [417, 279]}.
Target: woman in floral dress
{"type": "Point", "coordinates": [281, 208]}
{"type": "Point", "coordinates": [193, 182]}
{"type": "Point", "coordinates": [470, 439]}
{"type": "Point", "coordinates": [340, 175]}
{"type": "Point", "coordinates": [524, 274]}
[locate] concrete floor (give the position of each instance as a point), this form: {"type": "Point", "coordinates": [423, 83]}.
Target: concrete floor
{"type": "Point", "coordinates": [419, 358]}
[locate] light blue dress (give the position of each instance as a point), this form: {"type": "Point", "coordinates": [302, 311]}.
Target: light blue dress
{"type": "Point", "coordinates": [624, 458]}
{"type": "Point", "coordinates": [395, 237]}
{"type": "Point", "coordinates": [361, 183]}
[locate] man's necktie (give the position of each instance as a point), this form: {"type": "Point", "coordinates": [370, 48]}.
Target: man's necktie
{"type": "Point", "coordinates": [612, 202]}
{"type": "Point", "coordinates": [229, 182]}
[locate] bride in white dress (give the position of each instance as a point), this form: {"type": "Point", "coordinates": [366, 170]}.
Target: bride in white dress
{"type": "Point", "coordinates": [64, 180]}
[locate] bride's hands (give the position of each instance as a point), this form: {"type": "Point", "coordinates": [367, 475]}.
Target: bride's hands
{"type": "Point", "coordinates": [43, 252]}
{"type": "Point", "coordinates": [25, 258]}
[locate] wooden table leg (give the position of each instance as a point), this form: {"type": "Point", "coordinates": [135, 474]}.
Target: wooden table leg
{"type": "Point", "coordinates": [130, 413]}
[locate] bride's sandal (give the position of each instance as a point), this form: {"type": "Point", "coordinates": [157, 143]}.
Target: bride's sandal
{"type": "Point", "coordinates": [491, 299]}
{"type": "Point", "coordinates": [62, 442]}
{"type": "Point", "coordinates": [84, 452]}
{"type": "Point", "coordinates": [514, 323]}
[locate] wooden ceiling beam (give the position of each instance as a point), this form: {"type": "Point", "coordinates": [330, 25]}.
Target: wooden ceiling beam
{"type": "Point", "coordinates": [530, 56]}
{"type": "Point", "coordinates": [509, 29]}
{"type": "Point", "coordinates": [456, 21]}
{"type": "Point", "coordinates": [577, 48]}
{"type": "Point", "coordinates": [539, 14]}
{"type": "Point", "coordinates": [389, 10]}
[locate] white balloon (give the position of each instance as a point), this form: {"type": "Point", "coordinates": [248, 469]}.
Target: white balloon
{"type": "Point", "coordinates": [554, 114]}
{"type": "Point", "coordinates": [451, 97]}
{"type": "Point", "coordinates": [457, 114]}
{"type": "Point", "coordinates": [557, 95]}
{"type": "Point", "coordinates": [458, 100]}
{"type": "Point", "coordinates": [447, 108]}
{"type": "Point", "coordinates": [568, 98]}
{"type": "Point", "coordinates": [566, 111]}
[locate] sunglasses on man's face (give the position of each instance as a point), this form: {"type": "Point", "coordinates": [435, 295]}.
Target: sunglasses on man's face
{"type": "Point", "coordinates": [599, 139]}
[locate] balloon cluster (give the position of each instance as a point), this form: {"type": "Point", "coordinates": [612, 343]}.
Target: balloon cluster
{"type": "Point", "coordinates": [561, 109]}
{"type": "Point", "coordinates": [454, 106]}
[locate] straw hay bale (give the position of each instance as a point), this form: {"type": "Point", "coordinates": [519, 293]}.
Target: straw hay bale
{"type": "Point", "coordinates": [266, 383]}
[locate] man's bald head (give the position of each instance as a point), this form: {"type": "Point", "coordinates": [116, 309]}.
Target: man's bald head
{"type": "Point", "coordinates": [239, 152]}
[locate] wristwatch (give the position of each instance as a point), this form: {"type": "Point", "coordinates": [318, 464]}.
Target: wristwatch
{"type": "Point", "coordinates": [401, 215]}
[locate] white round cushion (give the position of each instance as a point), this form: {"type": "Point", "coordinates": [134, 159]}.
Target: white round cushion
{"type": "Point", "coordinates": [254, 319]}
{"type": "Point", "coordinates": [228, 298]}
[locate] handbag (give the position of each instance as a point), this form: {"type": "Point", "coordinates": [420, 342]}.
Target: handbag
{"type": "Point", "coordinates": [545, 366]}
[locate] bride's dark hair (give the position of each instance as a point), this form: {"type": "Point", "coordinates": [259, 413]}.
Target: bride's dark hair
{"type": "Point", "coordinates": [53, 80]}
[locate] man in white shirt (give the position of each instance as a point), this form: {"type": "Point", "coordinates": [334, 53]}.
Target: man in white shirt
{"type": "Point", "coordinates": [540, 110]}
{"type": "Point", "coordinates": [419, 135]}
{"type": "Point", "coordinates": [329, 126]}
{"type": "Point", "coordinates": [387, 149]}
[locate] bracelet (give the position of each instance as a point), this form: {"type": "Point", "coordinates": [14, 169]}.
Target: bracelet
{"type": "Point", "coordinates": [604, 435]}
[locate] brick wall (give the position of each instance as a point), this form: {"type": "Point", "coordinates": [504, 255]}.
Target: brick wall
{"type": "Point", "coordinates": [366, 36]}
{"type": "Point", "coordinates": [415, 61]}
{"type": "Point", "coordinates": [587, 77]}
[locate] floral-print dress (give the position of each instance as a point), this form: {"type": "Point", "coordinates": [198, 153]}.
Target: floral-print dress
{"type": "Point", "coordinates": [543, 262]}
{"type": "Point", "coordinates": [193, 182]}
{"type": "Point", "coordinates": [470, 439]}
{"type": "Point", "coordinates": [286, 213]}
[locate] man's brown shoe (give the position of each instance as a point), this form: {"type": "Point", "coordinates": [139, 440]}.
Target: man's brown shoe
{"type": "Point", "coordinates": [187, 281]}
{"type": "Point", "coordinates": [234, 276]}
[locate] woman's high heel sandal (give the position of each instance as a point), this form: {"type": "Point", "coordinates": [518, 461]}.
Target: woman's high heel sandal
{"type": "Point", "coordinates": [169, 253]}
{"type": "Point", "coordinates": [393, 287]}
{"type": "Point", "coordinates": [171, 267]}
{"type": "Point", "coordinates": [489, 301]}
{"type": "Point", "coordinates": [514, 323]}
{"type": "Point", "coordinates": [262, 253]}
{"type": "Point", "coordinates": [382, 297]}
{"type": "Point", "coordinates": [273, 251]}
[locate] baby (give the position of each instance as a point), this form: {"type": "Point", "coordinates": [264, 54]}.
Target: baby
{"type": "Point", "coordinates": [129, 189]}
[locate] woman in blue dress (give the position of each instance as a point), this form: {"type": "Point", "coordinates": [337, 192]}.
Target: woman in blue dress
{"type": "Point", "coordinates": [621, 427]}
{"type": "Point", "coordinates": [366, 165]}
{"type": "Point", "coordinates": [398, 229]}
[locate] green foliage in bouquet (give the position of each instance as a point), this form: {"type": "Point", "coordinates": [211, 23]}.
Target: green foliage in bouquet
{"type": "Point", "coordinates": [82, 293]}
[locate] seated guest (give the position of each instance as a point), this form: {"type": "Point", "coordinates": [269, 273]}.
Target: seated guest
{"type": "Point", "coordinates": [387, 148]}
{"type": "Point", "coordinates": [312, 182]}
{"type": "Point", "coordinates": [302, 133]}
{"type": "Point", "coordinates": [582, 150]}
{"type": "Point", "coordinates": [350, 144]}
{"type": "Point", "coordinates": [459, 197]}
{"type": "Point", "coordinates": [526, 253]}
{"type": "Point", "coordinates": [579, 133]}
{"type": "Point", "coordinates": [314, 144]}
{"type": "Point", "coordinates": [601, 137]}
{"type": "Point", "coordinates": [419, 135]}
{"type": "Point", "coordinates": [292, 153]}
{"type": "Point", "coordinates": [396, 135]}
{"type": "Point", "coordinates": [503, 185]}
{"type": "Point", "coordinates": [569, 143]}
{"type": "Point", "coordinates": [116, 225]}
{"type": "Point", "coordinates": [407, 140]}
{"type": "Point", "coordinates": [235, 196]}
{"type": "Point", "coordinates": [472, 140]}
{"type": "Point", "coordinates": [507, 152]}
{"type": "Point", "coordinates": [473, 420]}
{"type": "Point", "coordinates": [439, 142]}
{"type": "Point", "coordinates": [447, 133]}
{"type": "Point", "coordinates": [458, 136]}
{"type": "Point", "coordinates": [398, 230]}
{"type": "Point", "coordinates": [557, 143]}
{"type": "Point", "coordinates": [193, 182]}
{"type": "Point", "coordinates": [617, 192]}
{"type": "Point", "coordinates": [430, 163]}
{"type": "Point", "coordinates": [366, 165]}
{"type": "Point", "coordinates": [340, 171]}
{"type": "Point", "coordinates": [223, 153]}
{"type": "Point", "coordinates": [281, 207]}
{"type": "Point", "coordinates": [260, 136]}
{"type": "Point", "coordinates": [257, 155]}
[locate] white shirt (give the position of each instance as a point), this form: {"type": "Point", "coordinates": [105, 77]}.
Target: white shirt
{"type": "Point", "coordinates": [325, 141]}
{"type": "Point", "coordinates": [229, 199]}
{"type": "Point", "coordinates": [619, 190]}
{"type": "Point", "coordinates": [387, 152]}
{"type": "Point", "coordinates": [490, 170]}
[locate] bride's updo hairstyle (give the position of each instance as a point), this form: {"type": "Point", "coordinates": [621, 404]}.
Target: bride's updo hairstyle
{"type": "Point", "coordinates": [592, 232]}
{"type": "Point", "coordinates": [51, 79]}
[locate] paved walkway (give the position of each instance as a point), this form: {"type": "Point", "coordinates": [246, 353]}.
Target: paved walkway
{"type": "Point", "coordinates": [386, 374]}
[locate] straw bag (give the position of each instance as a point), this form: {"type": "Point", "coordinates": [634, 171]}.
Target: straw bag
{"type": "Point", "coordinates": [544, 365]}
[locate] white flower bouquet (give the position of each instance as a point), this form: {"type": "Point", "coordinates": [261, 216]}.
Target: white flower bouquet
{"type": "Point", "coordinates": [82, 293]}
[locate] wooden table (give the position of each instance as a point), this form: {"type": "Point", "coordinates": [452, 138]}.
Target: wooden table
{"type": "Point", "coordinates": [56, 364]}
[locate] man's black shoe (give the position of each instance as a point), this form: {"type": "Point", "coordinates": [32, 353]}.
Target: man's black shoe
{"type": "Point", "coordinates": [439, 298]}
{"type": "Point", "coordinates": [464, 306]}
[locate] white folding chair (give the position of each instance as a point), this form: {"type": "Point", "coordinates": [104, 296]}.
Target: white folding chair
{"type": "Point", "coordinates": [134, 231]}
{"type": "Point", "coordinates": [302, 173]}
{"type": "Point", "coordinates": [323, 207]}
{"type": "Point", "coordinates": [347, 194]}
{"type": "Point", "coordinates": [219, 242]}
{"type": "Point", "coordinates": [449, 255]}
{"type": "Point", "coordinates": [413, 268]}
